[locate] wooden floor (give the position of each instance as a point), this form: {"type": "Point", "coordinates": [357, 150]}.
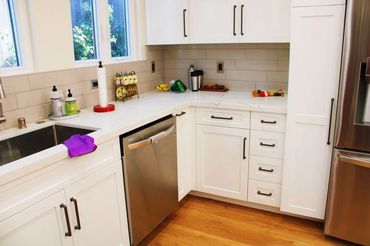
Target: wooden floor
{"type": "Point", "coordinates": [201, 221]}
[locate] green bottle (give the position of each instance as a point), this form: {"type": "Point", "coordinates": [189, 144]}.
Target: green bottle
{"type": "Point", "coordinates": [71, 104]}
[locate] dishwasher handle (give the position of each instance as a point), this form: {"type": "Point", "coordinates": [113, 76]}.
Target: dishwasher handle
{"type": "Point", "coordinates": [153, 139]}
{"type": "Point", "coordinates": [355, 161]}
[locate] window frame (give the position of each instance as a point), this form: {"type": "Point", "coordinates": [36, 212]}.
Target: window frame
{"type": "Point", "coordinates": [21, 35]}
{"type": "Point", "coordinates": [102, 29]}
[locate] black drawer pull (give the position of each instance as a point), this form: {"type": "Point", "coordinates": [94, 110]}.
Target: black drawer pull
{"type": "Point", "coordinates": [267, 145]}
{"type": "Point", "coordinates": [330, 120]}
{"type": "Point", "coordinates": [78, 226]}
{"type": "Point", "coordinates": [68, 233]}
{"type": "Point", "coordinates": [266, 170]}
{"type": "Point", "coordinates": [222, 118]}
{"type": "Point", "coordinates": [234, 9]}
{"type": "Point", "coordinates": [264, 194]}
{"type": "Point", "coordinates": [184, 20]}
{"type": "Point", "coordinates": [268, 122]}
{"type": "Point", "coordinates": [181, 114]}
{"type": "Point", "coordinates": [244, 144]}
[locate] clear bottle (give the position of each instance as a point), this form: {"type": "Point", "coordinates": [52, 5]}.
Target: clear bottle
{"type": "Point", "coordinates": [56, 102]}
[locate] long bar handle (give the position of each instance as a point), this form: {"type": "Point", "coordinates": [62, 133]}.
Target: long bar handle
{"type": "Point", "coordinates": [268, 122]}
{"type": "Point", "coordinates": [267, 145]}
{"type": "Point", "coordinates": [264, 194]}
{"type": "Point", "coordinates": [355, 161]}
{"type": "Point", "coordinates": [221, 118]}
{"type": "Point", "coordinates": [69, 232]}
{"type": "Point", "coordinates": [234, 32]}
{"type": "Point", "coordinates": [330, 120]}
{"type": "Point", "coordinates": [244, 144]}
{"type": "Point", "coordinates": [265, 170]}
{"type": "Point", "coordinates": [153, 139]}
{"type": "Point", "coordinates": [78, 226]}
{"type": "Point", "coordinates": [242, 20]}
{"type": "Point", "coordinates": [184, 20]}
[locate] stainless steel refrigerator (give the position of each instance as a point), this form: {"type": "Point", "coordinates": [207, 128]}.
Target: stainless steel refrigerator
{"type": "Point", "coordinates": [348, 207]}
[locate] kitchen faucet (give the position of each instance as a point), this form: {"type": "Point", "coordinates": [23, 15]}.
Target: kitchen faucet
{"type": "Point", "coordinates": [2, 96]}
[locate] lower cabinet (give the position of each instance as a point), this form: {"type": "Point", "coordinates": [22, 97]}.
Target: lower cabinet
{"type": "Point", "coordinates": [185, 128]}
{"type": "Point", "coordinates": [222, 161]}
{"type": "Point", "coordinates": [89, 212]}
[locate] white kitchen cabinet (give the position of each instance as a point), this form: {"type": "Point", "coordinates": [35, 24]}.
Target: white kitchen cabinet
{"type": "Point", "coordinates": [315, 55]}
{"type": "Point", "coordinates": [98, 202]}
{"type": "Point", "coordinates": [214, 21]}
{"type": "Point", "coordinates": [265, 21]}
{"type": "Point", "coordinates": [167, 22]}
{"type": "Point", "coordinates": [42, 224]}
{"type": "Point", "coordinates": [185, 128]}
{"type": "Point", "coordinates": [222, 161]}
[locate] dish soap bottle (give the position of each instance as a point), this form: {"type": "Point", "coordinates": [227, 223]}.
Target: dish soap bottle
{"type": "Point", "coordinates": [56, 102]}
{"type": "Point", "coordinates": [71, 104]}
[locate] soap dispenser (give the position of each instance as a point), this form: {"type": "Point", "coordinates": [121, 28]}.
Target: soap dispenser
{"type": "Point", "coordinates": [71, 104]}
{"type": "Point", "coordinates": [56, 102]}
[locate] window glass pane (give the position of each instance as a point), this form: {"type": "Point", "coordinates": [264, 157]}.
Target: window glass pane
{"type": "Point", "coordinates": [8, 49]}
{"type": "Point", "coordinates": [84, 39]}
{"type": "Point", "coordinates": [118, 28]}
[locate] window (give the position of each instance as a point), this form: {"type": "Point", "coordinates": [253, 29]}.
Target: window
{"type": "Point", "coordinates": [9, 55]}
{"type": "Point", "coordinates": [118, 28]}
{"type": "Point", "coordinates": [83, 27]}
{"type": "Point", "coordinates": [92, 20]}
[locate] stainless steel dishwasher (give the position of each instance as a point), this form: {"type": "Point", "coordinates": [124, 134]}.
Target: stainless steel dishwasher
{"type": "Point", "coordinates": [149, 157]}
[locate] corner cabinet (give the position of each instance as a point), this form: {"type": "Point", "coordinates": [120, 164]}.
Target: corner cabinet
{"type": "Point", "coordinates": [217, 21]}
{"type": "Point", "coordinates": [167, 21]}
{"type": "Point", "coordinates": [315, 55]}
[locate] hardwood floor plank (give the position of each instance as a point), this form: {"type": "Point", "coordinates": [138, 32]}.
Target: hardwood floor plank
{"type": "Point", "coordinates": [201, 221]}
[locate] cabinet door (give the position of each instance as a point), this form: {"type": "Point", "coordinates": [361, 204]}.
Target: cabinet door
{"type": "Point", "coordinates": [101, 208]}
{"type": "Point", "coordinates": [265, 21]}
{"type": "Point", "coordinates": [222, 161]}
{"type": "Point", "coordinates": [185, 127]}
{"type": "Point", "coordinates": [167, 21]}
{"type": "Point", "coordinates": [42, 224]}
{"type": "Point", "coordinates": [315, 56]}
{"type": "Point", "coordinates": [214, 21]}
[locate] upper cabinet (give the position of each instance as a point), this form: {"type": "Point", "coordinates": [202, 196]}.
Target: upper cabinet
{"type": "Point", "coordinates": [167, 21]}
{"type": "Point", "coordinates": [217, 21]}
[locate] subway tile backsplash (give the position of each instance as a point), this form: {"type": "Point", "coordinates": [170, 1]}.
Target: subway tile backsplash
{"type": "Point", "coordinates": [246, 67]}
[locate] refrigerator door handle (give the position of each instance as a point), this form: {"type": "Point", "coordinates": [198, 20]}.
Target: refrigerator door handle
{"type": "Point", "coordinates": [355, 161]}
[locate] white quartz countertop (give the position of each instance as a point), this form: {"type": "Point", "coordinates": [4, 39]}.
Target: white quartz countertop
{"type": "Point", "coordinates": [132, 114]}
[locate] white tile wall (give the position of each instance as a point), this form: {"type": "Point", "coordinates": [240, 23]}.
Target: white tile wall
{"type": "Point", "coordinates": [246, 66]}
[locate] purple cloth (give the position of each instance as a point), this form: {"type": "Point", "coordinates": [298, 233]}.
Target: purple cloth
{"type": "Point", "coordinates": [79, 145]}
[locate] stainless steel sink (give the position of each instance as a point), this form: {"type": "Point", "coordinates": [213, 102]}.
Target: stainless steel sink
{"type": "Point", "coordinates": [32, 142]}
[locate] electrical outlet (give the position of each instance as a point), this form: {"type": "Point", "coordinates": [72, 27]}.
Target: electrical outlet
{"type": "Point", "coordinates": [94, 84]}
{"type": "Point", "coordinates": [220, 67]}
{"type": "Point", "coordinates": [153, 66]}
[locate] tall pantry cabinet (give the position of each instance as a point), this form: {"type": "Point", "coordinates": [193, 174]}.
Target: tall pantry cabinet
{"type": "Point", "coordinates": [315, 56]}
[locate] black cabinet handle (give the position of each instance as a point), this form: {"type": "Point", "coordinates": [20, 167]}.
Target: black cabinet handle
{"type": "Point", "coordinates": [234, 32]}
{"type": "Point", "coordinates": [330, 120]}
{"type": "Point", "coordinates": [184, 20]}
{"type": "Point", "coordinates": [181, 114]}
{"type": "Point", "coordinates": [242, 16]}
{"type": "Point", "coordinates": [78, 226]}
{"type": "Point", "coordinates": [221, 118]}
{"type": "Point", "coordinates": [244, 144]}
{"type": "Point", "coordinates": [68, 233]}
{"type": "Point", "coordinates": [268, 122]}
{"type": "Point", "coordinates": [264, 194]}
{"type": "Point", "coordinates": [266, 170]}
{"type": "Point", "coordinates": [267, 145]}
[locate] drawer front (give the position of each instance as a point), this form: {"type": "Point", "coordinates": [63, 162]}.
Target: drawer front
{"type": "Point", "coordinates": [267, 121]}
{"type": "Point", "coordinates": [265, 169]}
{"type": "Point", "coordinates": [264, 193]}
{"type": "Point", "coordinates": [223, 117]}
{"type": "Point", "coordinates": [268, 144]}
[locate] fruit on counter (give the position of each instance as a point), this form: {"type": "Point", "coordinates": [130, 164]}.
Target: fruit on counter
{"type": "Point", "coordinates": [213, 87]}
{"type": "Point", "coordinates": [268, 93]}
{"type": "Point", "coordinates": [163, 87]}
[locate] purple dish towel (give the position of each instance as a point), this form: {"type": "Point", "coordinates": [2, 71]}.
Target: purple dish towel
{"type": "Point", "coordinates": [79, 145]}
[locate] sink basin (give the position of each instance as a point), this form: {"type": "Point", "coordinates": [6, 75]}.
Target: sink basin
{"type": "Point", "coordinates": [18, 147]}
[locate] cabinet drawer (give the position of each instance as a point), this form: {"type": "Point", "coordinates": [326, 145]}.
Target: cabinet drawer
{"type": "Point", "coordinates": [268, 144]}
{"type": "Point", "coordinates": [264, 193]}
{"type": "Point", "coordinates": [223, 117]}
{"type": "Point", "coordinates": [267, 121]}
{"type": "Point", "coordinates": [265, 169]}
